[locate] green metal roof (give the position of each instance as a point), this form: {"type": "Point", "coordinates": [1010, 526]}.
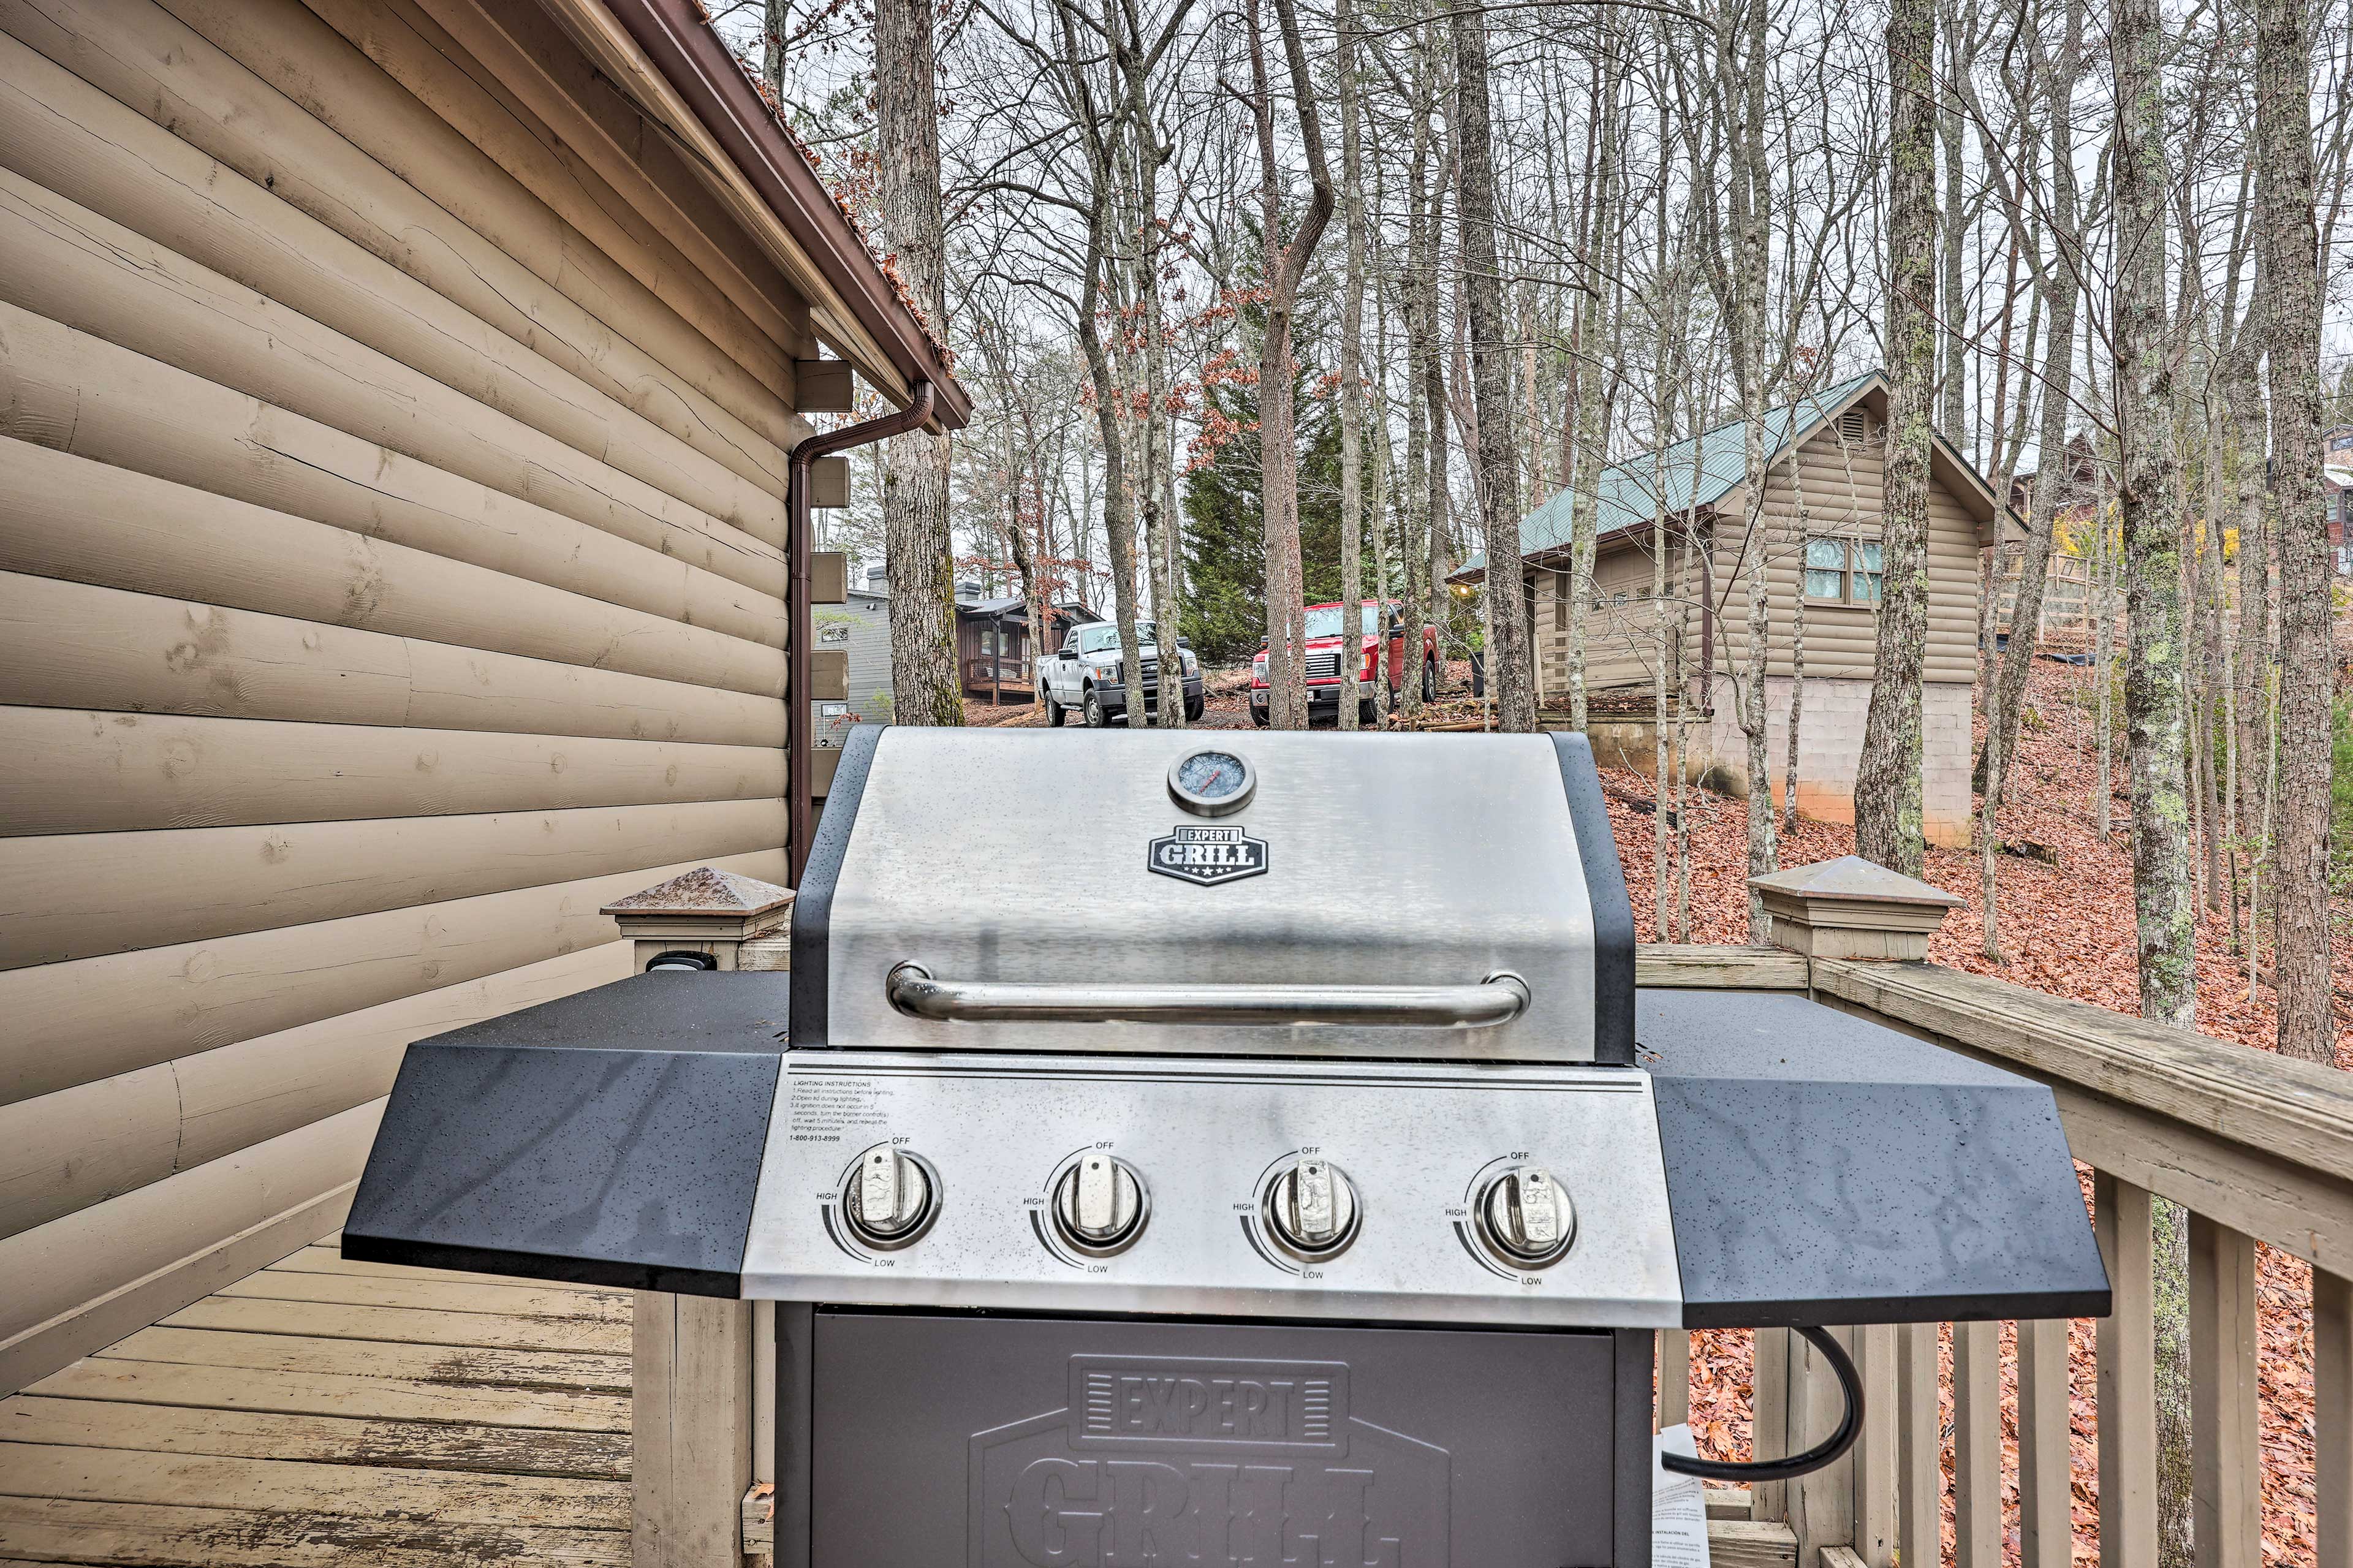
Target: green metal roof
{"type": "Point", "coordinates": [1635, 492]}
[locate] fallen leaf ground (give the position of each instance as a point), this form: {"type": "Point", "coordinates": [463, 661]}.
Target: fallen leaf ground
{"type": "Point", "coordinates": [2066, 929]}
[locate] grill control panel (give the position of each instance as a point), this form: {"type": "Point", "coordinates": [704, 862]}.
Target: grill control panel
{"type": "Point", "coordinates": [1401, 1191]}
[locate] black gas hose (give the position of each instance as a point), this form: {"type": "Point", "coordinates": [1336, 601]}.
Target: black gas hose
{"type": "Point", "coordinates": [1796, 1465]}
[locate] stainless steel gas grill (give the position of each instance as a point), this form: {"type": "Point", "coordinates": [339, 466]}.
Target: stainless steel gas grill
{"type": "Point", "coordinates": [1274, 1178]}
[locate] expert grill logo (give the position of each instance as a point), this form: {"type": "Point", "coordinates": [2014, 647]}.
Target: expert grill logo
{"type": "Point", "coordinates": [1207, 855]}
{"type": "Point", "coordinates": [1156, 1462]}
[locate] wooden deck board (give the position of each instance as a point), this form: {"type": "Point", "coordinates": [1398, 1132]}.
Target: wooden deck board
{"type": "Point", "coordinates": [432, 1296]}
{"type": "Point", "coordinates": [364, 1358]}
{"type": "Point", "coordinates": [320, 1259]}
{"type": "Point", "coordinates": [325, 1414]}
{"type": "Point", "coordinates": [289, 1486]}
{"type": "Point", "coordinates": [318, 1320]}
{"type": "Point", "coordinates": [342, 1440]}
{"type": "Point", "coordinates": [60, 1530]}
{"type": "Point", "coordinates": [333, 1393]}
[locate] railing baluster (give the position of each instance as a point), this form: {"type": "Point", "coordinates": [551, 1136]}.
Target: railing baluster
{"type": "Point", "coordinates": [2127, 1362]}
{"type": "Point", "coordinates": [1919, 1448]}
{"type": "Point", "coordinates": [1674, 1377]}
{"type": "Point", "coordinates": [1821, 1505]}
{"type": "Point", "coordinates": [1769, 1383]}
{"type": "Point", "coordinates": [1977, 1445]}
{"type": "Point", "coordinates": [2046, 1530]}
{"type": "Point", "coordinates": [2332, 1402]}
{"type": "Point", "coordinates": [2226, 1485]}
{"type": "Point", "coordinates": [1875, 1451]}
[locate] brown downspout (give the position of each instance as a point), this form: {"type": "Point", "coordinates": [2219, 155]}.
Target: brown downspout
{"type": "Point", "coordinates": [799, 755]}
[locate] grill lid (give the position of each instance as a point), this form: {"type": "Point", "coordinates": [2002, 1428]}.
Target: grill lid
{"type": "Point", "coordinates": [1422, 896]}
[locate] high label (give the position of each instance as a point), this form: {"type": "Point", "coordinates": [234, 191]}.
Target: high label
{"type": "Point", "coordinates": [1207, 855]}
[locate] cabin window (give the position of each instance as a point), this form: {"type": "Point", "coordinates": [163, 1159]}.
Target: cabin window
{"type": "Point", "coordinates": [1842, 571]}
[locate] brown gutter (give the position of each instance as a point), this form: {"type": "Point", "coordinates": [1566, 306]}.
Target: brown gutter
{"type": "Point", "coordinates": [799, 755]}
{"type": "Point", "coordinates": [689, 55]}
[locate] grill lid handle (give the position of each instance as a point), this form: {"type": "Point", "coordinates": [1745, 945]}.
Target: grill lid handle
{"type": "Point", "coordinates": [1498, 999]}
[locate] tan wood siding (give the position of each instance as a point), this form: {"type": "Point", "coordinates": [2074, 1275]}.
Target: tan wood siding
{"type": "Point", "coordinates": [393, 441]}
{"type": "Point", "coordinates": [1836, 490]}
{"type": "Point", "coordinates": [1840, 488]}
{"type": "Point", "coordinates": [1621, 628]}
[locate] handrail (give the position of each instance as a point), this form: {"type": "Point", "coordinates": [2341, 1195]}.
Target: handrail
{"type": "Point", "coordinates": [2257, 1148]}
{"type": "Point", "coordinates": [2283, 1108]}
{"type": "Point", "coordinates": [1498, 999]}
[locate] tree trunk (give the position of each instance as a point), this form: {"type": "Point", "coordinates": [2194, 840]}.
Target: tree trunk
{"type": "Point", "coordinates": [1799, 527]}
{"type": "Point", "coordinates": [1887, 809]}
{"type": "Point", "coordinates": [1510, 673]}
{"type": "Point", "coordinates": [2062, 290]}
{"type": "Point", "coordinates": [2149, 510]}
{"type": "Point", "coordinates": [775, 17]}
{"type": "Point", "coordinates": [1592, 396]}
{"type": "Point", "coordinates": [2150, 513]}
{"type": "Point", "coordinates": [1420, 410]}
{"type": "Point", "coordinates": [1352, 369]}
{"type": "Point", "coordinates": [1278, 424]}
{"type": "Point", "coordinates": [1741, 70]}
{"type": "Point", "coordinates": [2021, 628]}
{"type": "Point", "coordinates": [917, 544]}
{"type": "Point", "coordinates": [2307, 662]}
{"type": "Point", "coordinates": [1952, 382]}
{"type": "Point", "coordinates": [2254, 667]}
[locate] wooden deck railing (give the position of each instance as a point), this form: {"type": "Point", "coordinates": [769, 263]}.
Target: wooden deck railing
{"type": "Point", "coordinates": [2258, 1149]}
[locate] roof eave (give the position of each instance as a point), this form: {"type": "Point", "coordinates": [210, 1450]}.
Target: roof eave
{"type": "Point", "coordinates": [857, 308]}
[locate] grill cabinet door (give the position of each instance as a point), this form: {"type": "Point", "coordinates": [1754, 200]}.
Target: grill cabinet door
{"type": "Point", "coordinates": [1068, 1443]}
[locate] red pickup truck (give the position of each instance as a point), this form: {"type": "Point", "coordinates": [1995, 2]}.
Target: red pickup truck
{"type": "Point", "coordinates": [1325, 632]}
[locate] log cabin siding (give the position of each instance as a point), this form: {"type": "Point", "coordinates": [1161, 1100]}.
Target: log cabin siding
{"type": "Point", "coordinates": [1828, 488]}
{"type": "Point", "coordinates": [1621, 626]}
{"type": "Point", "coordinates": [393, 439]}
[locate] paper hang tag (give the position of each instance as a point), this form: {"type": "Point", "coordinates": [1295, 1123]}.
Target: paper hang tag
{"type": "Point", "coordinates": [1678, 1506]}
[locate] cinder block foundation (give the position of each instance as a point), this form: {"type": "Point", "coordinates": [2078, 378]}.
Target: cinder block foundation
{"type": "Point", "coordinates": [1830, 748]}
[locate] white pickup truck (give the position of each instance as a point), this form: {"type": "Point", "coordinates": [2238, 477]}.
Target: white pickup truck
{"type": "Point", "coordinates": [1086, 676]}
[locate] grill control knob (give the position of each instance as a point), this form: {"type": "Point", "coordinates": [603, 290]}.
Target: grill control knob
{"type": "Point", "coordinates": [892, 1198]}
{"type": "Point", "coordinates": [1311, 1207]}
{"type": "Point", "coordinates": [1099, 1206]}
{"type": "Point", "coordinates": [1526, 1218]}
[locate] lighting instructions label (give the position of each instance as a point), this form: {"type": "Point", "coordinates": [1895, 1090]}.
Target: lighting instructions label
{"type": "Point", "coordinates": [828, 1110]}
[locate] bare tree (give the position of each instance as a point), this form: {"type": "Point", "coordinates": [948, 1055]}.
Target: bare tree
{"type": "Point", "coordinates": [1278, 417]}
{"type": "Point", "coordinates": [1887, 806]}
{"type": "Point", "coordinates": [920, 547]}
{"type": "Point", "coordinates": [2149, 506]}
{"type": "Point", "coordinates": [2058, 279]}
{"type": "Point", "coordinates": [1740, 65]}
{"type": "Point", "coordinates": [1352, 366]}
{"type": "Point", "coordinates": [1511, 673]}
{"type": "Point", "coordinates": [1595, 373]}
{"type": "Point", "coordinates": [2284, 172]}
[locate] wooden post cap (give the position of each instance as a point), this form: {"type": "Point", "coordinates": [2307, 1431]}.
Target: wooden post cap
{"type": "Point", "coordinates": [717, 913]}
{"type": "Point", "coordinates": [1853, 908]}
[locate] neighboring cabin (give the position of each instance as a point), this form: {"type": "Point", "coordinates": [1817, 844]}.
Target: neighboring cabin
{"type": "Point", "coordinates": [996, 659]}
{"type": "Point", "coordinates": [1821, 534]}
{"type": "Point", "coordinates": [859, 631]}
{"type": "Point", "coordinates": [394, 405]}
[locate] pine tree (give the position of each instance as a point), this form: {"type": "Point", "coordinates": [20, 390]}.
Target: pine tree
{"type": "Point", "coordinates": [1224, 539]}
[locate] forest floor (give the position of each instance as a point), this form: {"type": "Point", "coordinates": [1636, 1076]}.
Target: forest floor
{"type": "Point", "coordinates": [2066, 929]}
